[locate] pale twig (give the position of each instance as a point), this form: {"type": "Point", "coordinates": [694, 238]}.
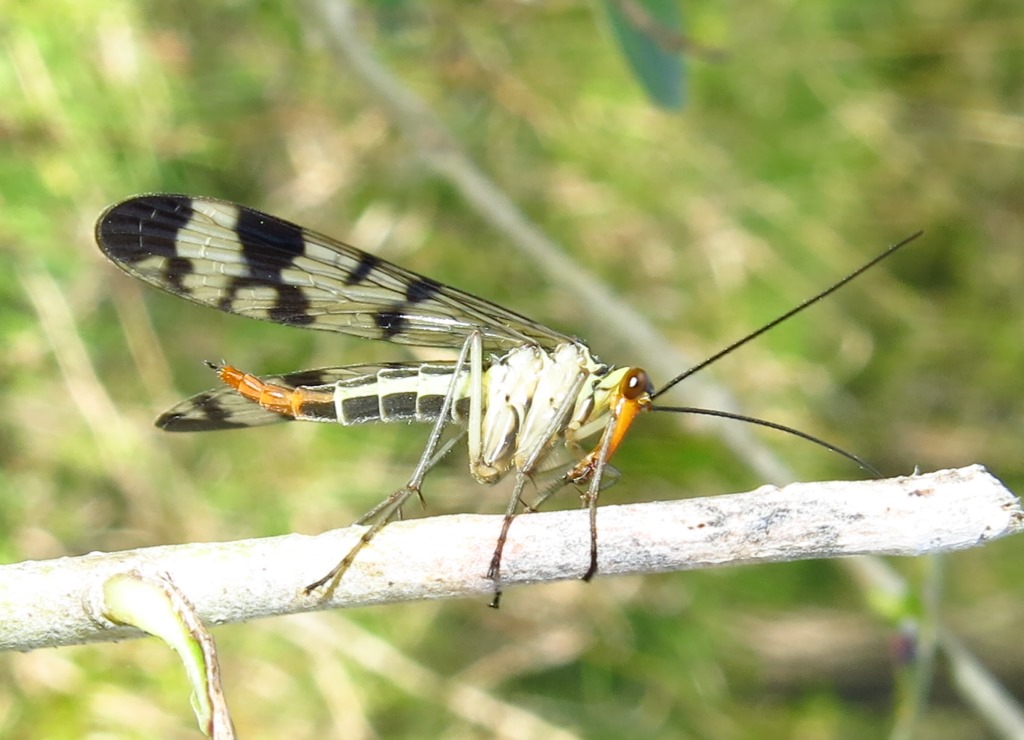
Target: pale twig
{"type": "Point", "coordinates": [59, 602]}
{"type": "Point", "coordinates": [990, 699]}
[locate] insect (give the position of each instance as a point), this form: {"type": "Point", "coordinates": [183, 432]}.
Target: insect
{"type": "Point", "coordinates": [522, 394]}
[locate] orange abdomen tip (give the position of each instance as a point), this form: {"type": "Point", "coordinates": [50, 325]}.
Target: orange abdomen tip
{"type": "Point", "coordinates": [279, 399]}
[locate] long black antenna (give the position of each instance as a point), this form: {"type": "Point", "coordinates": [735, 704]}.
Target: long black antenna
{"type": "Point", "coordinates": [788, 315]}
{"type": "Point", "coordinates": [772, 425]}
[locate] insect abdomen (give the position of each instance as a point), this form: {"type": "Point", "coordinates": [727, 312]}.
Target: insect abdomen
{"type": "Point", "coordinates": [409, 394]}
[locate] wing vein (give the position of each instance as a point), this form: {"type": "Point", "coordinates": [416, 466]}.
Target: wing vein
{"type": "Point", "coordinates": [239, 260]}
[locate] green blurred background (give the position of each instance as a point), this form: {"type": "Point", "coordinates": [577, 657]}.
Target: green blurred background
{"type": "Point", "coordinates": [825, 132]}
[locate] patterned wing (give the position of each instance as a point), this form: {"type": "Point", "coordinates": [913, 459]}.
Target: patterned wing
{"type": "Point", "coordinates": [241, 261]}
{"type": "Point", "coordinates": [225, 408]}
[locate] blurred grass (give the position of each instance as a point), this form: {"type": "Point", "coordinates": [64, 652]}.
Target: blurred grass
{"type": "Point", "coordinates": [830, 131]}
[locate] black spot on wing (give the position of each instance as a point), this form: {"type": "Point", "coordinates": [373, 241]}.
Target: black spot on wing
{"type": "Point", "coordinates": [292, 307]}
{"type": "Point", "coordinates": [214, 411]}
{"type": "Point", "coordinates": [175, 420]}
{"type": "Point", "coordinates": [270, 246]}
{"type": "Point", "coordinates": [174, 272]}
{"type": "Point", "coordinates": [144, 226]}
{"type": "Point", "coordinates": [319, 376]}
{"type": "Point", "coordinates": [395, 320]}
{"type": "Point", "coordinates": [390, 322]}
{"type": "Point", "coordinates": [421, 289]}
{"type": "Point", "coordinates": [367, 264]}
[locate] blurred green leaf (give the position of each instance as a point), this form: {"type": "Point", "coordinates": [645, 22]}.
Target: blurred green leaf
{"type": "Point", "coordinates": [647, 33]}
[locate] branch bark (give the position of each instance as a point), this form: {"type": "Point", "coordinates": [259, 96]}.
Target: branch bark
{"type": "Point", "coordinates": [59, 602]}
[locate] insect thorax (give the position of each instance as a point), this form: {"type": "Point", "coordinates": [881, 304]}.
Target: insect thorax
{"type": "Point", "coordinates": [533, 400]}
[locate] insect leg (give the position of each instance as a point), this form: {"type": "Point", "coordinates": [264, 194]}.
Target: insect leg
{"type": "Point", "coordinates": [523, 472]}
{"type": "Point", "coordinates": [590, 470]}
{"type": "Point", "coordinates": [476, 401]}
{"type": "Point", "coordinates": [387, 509]}
{"type": "Point", "coordinates": [494, 571]}
{"type": "Point", "coordinates": [594, 490]}
{"type": "Point", "coordinates": [631, 398]}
